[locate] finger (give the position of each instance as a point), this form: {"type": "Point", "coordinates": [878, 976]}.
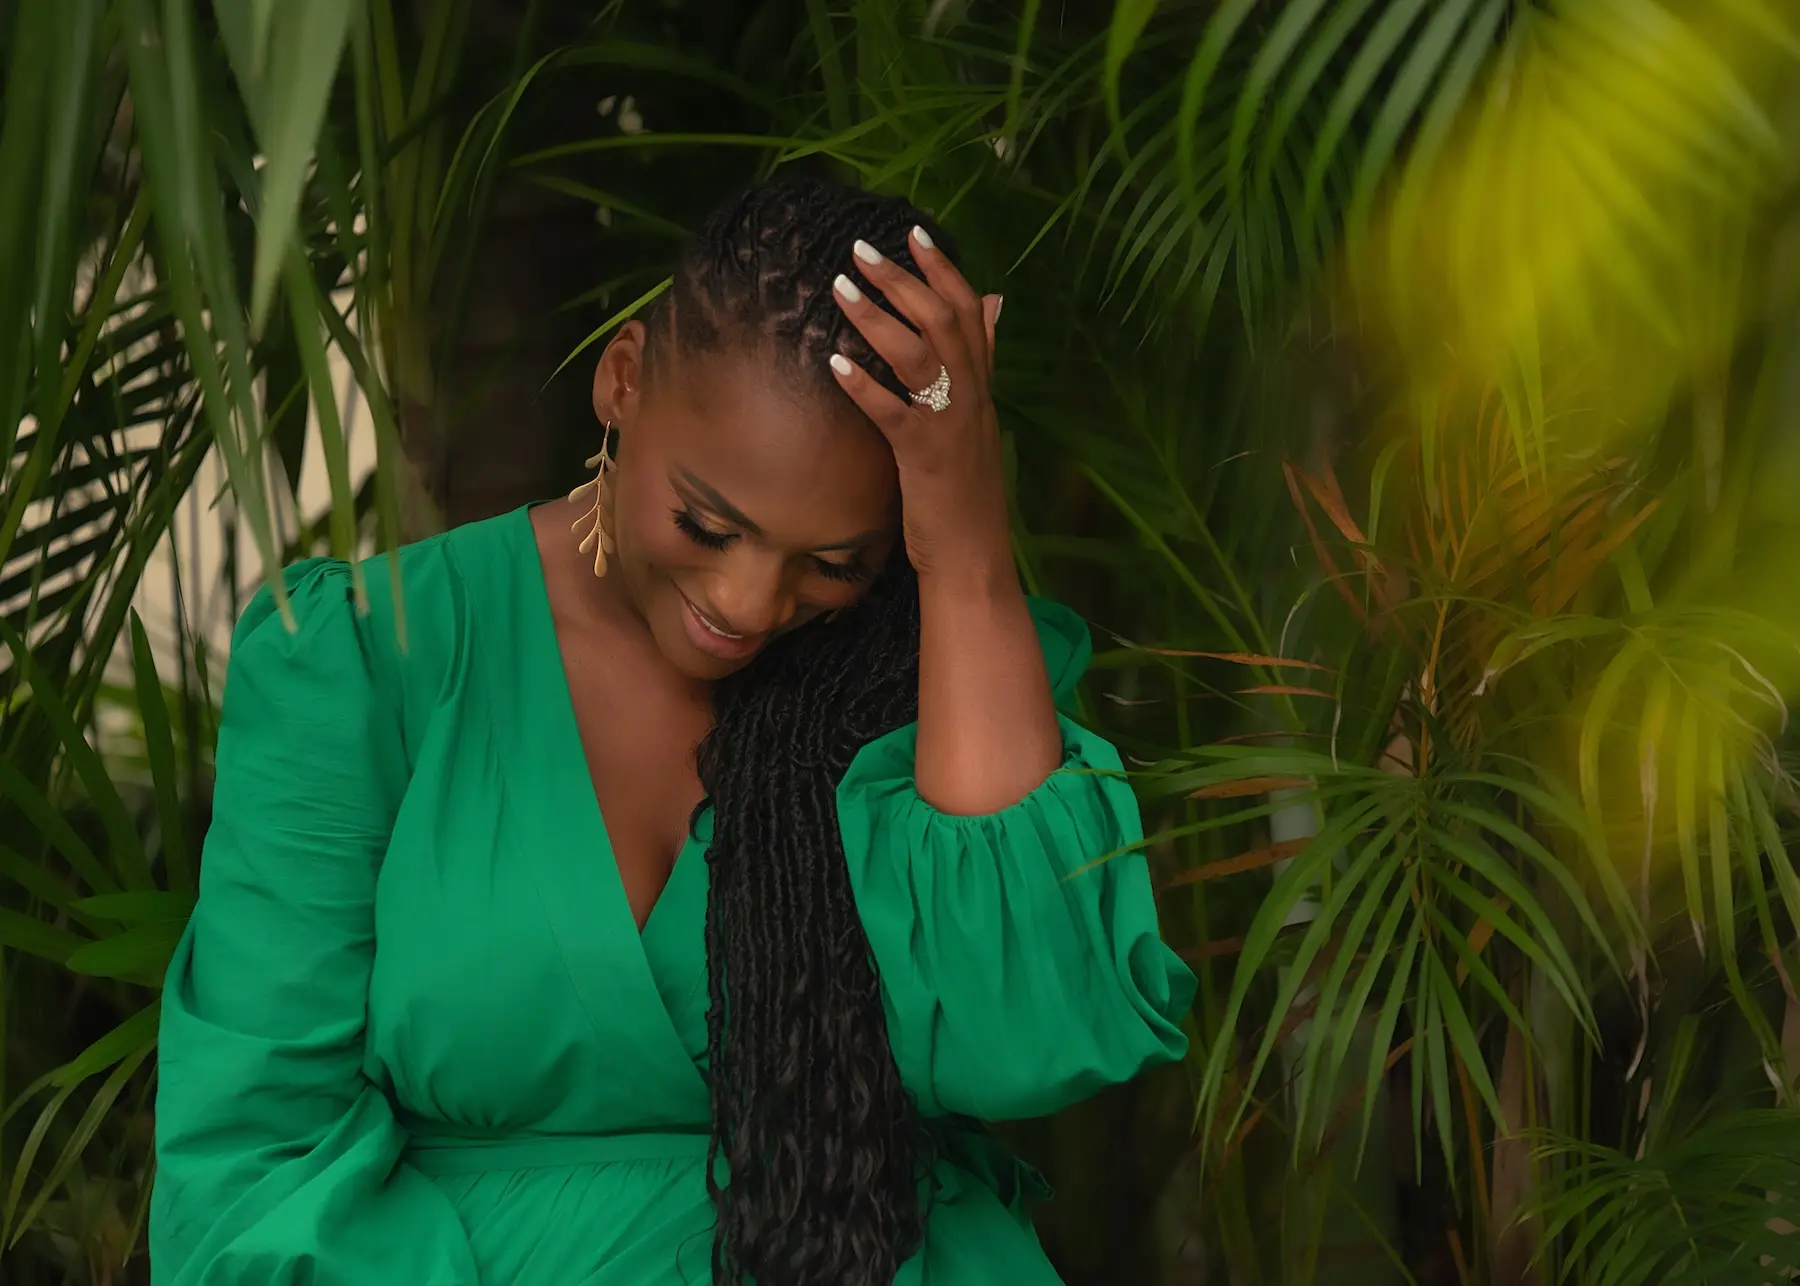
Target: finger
{"type": "Point", "coordinates": [990, 316]}
{"type": "Point", "coordinates": [947, 280]}
{"type": "Point", "coordinates": [907, 351]}
{"type": "Point", "coordinates": [934, 315]}
{"type": "Point", "coordinates": [887, 411]}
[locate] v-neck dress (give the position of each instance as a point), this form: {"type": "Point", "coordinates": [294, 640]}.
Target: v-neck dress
{"type": "Point", "coordinates": [413, 1037]}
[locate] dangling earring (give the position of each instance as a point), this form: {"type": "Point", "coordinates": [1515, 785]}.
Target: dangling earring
{"type": "Point", "coordinates": [597, 538]}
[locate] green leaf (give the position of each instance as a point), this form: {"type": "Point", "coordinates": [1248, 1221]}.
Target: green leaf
{"type": "Point", "coordinates": [23, 129]}
{"type": "Point", "coordinates": [71, 147]}
{"type": "Point", "coordinates": [1462, 1037]}
{"type": "Point", "coordinates": [306, 305]}
{"type": "Point", "coordinates": [34, 937]}
{"type": "Point", "coordinates": [1291, 887]}
{"type": "Point", "coordinates": [98, 1110]}
{"type": "Point", "coordinates": [139, 907]}
{"type": "Point", "coordinates": [132, 1039]}
{"type": "Point", "coordinates": [831, 64]}
{"type": "Point", "coordinates": [1129, 19]}
{"type": "Point", "coordinates": [1388, 1017]}
{"type": "Point", "coordinates": [1220, 29]}
{"type": "Point", "coordinates": [1379, 959]}
{"type": "Point", "coordinates": [1687, 839]}
{"type": "Point", "coordinates": [36, 879]}
{"type": "Point", "coordinates": [1272, 55]}
{"type": "Point", "coordinates": [34, 1141]}
{"type": "Point", "coordinates": [606, 327]}
{"type": "Point", "coordinates": [134, 1033]}
{"type": "Point", "coordinates": [127, 849]}
{"type": "Point", "coordinates": [1026, 25]}
{"type": "Point", "coordinates": [1366, 889]}
{"type": "Point", "coordinates": [139, 954]}
{"type": "Point", "coordinates": [1423, 66]}
{"type": "Point", "coordinates": [159, 744]}
{"type": "Point", "coordinates": [1292, 104]}
{"type": "Point", "coordinates": [166, 78]}
{"type": "Point", "coordinates": [1544, 945]}
{"type": "Point", "coordinates": [53, 828]}
{"type": "Point", "coordinates": [287, 94]}
{"type": "Point", "coordinates": [1370, 61]}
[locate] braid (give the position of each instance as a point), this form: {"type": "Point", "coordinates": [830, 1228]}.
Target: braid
{"type": "Point", "coordinates": [758, 277]}
{"type": "Point", "coordinates": [823, 1143]}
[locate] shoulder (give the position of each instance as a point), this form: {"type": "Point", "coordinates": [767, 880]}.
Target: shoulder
{"type": "Point", "coordinates": [1066, 645]}
{"type": "Point", "coordinates": [402, 619]}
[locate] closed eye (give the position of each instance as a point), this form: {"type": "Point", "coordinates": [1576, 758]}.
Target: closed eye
{"type": "Point", "coordinates": [847, 572]}
{"type": "Point", "coordinates": [719, 541]}
{"type": "Point", "coordinates": [703, 536]}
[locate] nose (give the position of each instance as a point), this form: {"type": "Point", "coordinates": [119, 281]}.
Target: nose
{"type": "Point", "coordinates": [752, 594]}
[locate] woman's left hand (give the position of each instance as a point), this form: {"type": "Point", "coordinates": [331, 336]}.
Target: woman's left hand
{"type": "Point", "coordinates": [952, 477]}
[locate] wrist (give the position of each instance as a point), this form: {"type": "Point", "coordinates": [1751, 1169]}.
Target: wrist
{"type": "Point", "coordinates": [971, 576]}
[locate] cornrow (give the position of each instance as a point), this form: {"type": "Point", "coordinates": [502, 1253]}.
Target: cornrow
{"type": "Point", "coordinates": [758, 276]}
{"type": "Point", "coordinates": [824, 1146]}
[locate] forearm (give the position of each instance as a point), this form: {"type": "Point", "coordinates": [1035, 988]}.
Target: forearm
{"type": "Point", "coordinates": [988, 733]}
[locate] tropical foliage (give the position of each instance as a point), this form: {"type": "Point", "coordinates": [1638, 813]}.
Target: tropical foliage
{"type": "Point", "coordinates": [1405, 391]}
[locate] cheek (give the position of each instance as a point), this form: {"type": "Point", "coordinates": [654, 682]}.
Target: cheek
{"type": "Point", "coordinates": [648, 536]}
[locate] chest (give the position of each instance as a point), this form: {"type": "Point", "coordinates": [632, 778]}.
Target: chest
{"type": "Point", "coordinates": [638, 738]}
{"type": "Point", "coordinates": [511, 984]}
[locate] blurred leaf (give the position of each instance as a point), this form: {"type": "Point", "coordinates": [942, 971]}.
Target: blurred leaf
{"type": "Point", "coordinates": [286, 92]}
{"type": "Point", "coordinates": [139, 954]}
{"type": "Point", "coordinates": [159, 744]}
{"type": "Point", "coordinates": [140, 908]}
{"type": "Point", "coordinates": [127, 851]}
{"type": "Point", "coordinates": [25, 933]}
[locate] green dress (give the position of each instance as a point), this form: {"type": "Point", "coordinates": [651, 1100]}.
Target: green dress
{"type": "Point", "coordinates": [412, 1036]}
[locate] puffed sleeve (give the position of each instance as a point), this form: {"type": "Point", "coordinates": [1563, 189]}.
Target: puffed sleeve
{"type": "Point", "coordinates": [1020, 962]}
{"type": "Point", "coordinates": [278, 1159]}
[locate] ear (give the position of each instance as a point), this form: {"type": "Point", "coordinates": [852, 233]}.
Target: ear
{"type": "Point", "coordinates": [619, 376]}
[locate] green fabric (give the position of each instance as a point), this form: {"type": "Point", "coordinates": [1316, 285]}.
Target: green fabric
{"type": "Point", "coordinates": [412, 1038]}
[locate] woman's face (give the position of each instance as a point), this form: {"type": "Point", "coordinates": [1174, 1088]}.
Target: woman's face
{"type": "Point", "coordinates": [741, 508]}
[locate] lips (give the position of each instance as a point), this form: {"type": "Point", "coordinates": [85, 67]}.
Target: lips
{"type": "Point", "coordinates": [713, 641]}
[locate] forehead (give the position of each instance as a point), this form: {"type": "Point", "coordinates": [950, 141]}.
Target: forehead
{"type": "Point", "coordinates": [797, 458]}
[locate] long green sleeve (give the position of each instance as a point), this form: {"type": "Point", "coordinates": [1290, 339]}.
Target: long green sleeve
{"type": "Point", "coordinates": [1020, 961]}
{"type": "Point", "coordinates": [278, 1159]}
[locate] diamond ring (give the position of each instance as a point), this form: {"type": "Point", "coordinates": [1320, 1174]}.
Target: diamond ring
{"type": "Point", "coordinates": [936, 394]}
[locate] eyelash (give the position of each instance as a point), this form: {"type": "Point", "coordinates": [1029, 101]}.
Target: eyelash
{"type": "Point", "coordinates": [718, 541]}
{"type": "Point", "coordinates": [704, 537]}
{"type": "Point", "coordinates": [849, 573]}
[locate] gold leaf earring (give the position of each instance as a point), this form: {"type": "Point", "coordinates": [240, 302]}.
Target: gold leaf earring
{"type": "Point", "coordinates": [597, 538]}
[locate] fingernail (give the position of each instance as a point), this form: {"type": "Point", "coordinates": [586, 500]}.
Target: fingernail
{"type": "Point", "coordinates": [999, 303]}
{"type": "Point", "coordinates": [840, 364]}
{"type": "Point", "coordinates": [866, 252]}
{"type": "Point", "coordinates": [847, 288]}
{"type": "Point", "coordinates": [924, 238]}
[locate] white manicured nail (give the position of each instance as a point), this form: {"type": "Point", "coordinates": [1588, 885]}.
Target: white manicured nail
{"type": "Point", "coordinates": [840, 364]}
{"type": "Point", "coordinates": [847, 289]}
{"type": "Point", "coordinates": [866, 252]}
{"type": "Point", "coordinates": [924, 238]}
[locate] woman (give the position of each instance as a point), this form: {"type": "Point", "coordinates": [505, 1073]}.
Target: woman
{"type": "Point", "coordinates": [435, 1023]}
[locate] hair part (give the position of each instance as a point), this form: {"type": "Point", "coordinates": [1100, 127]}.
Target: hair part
{"type": "Point", "coordinates": [826, 1152]}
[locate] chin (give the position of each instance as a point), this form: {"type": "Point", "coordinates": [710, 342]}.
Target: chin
{"type": "Point", "coordinates": [691, 663]}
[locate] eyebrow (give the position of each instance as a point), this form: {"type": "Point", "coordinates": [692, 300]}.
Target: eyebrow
{"type": "Point", "coordinates": [718, 503]}
{"type": "Point", "coordinates": [737, 517]}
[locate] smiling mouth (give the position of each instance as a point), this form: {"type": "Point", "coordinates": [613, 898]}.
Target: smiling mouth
{"type": "Point", "coordinates": [706, 621]}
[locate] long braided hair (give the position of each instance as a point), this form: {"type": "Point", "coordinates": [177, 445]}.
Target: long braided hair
{"type": "Point", "coordinates": [824, 1146]}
